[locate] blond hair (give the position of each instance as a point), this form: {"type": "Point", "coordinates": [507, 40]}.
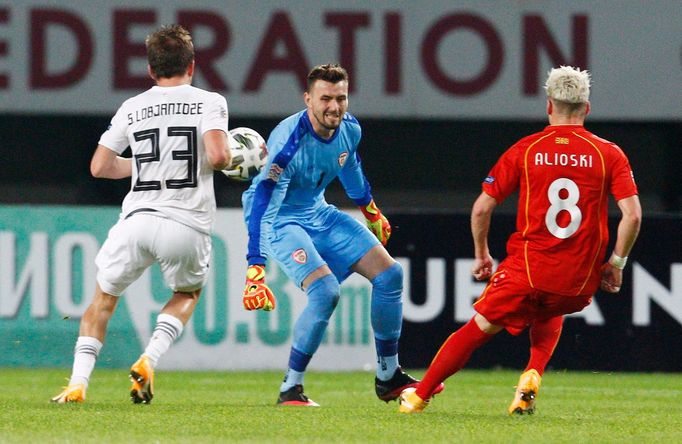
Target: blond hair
{"type": "Point", "coordinates": [568, 84]}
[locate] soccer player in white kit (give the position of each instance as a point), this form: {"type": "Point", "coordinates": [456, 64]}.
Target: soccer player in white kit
{"type": "Point", "coordinates": [178, 136]}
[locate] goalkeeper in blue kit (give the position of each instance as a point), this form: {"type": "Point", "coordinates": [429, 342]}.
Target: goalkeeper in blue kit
{"type": "Point", "coordinates": [313, 242]}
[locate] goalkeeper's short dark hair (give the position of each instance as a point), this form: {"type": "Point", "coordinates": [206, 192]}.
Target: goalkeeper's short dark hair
{"type": "Point", "coordinates": [329, 72]}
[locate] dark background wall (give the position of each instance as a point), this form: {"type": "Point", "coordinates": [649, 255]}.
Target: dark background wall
{"type": "Point", "coordinates": [411, 164]}
{"type": "Point", "coordinates": [617, 344]}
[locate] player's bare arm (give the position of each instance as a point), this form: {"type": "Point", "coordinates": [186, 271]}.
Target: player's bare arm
{"type": "Point", "coordinates": [217, 149]}
{"type": "Point", "coordinates": [481, 214]}
{"type": "Point", "coordinates": [629, 225]}
{"type": "Point", "coordinates": [628, 229]}
{"type": "Point", "coordinates": [106, 164]}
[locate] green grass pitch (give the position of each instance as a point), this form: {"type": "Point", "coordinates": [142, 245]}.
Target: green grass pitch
{"type": "Point", "coordinates": [572, 407]}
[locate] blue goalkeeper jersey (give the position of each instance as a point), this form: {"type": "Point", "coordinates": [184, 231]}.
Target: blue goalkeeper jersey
{"type": "Point", "coordinates": [301, 164]}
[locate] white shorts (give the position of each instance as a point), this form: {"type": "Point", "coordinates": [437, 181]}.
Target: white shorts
{"type": "Point", "coordinates": [135, 243]}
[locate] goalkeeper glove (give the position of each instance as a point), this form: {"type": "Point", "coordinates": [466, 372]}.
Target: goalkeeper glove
{"type": "Point", "coordinates": [257, 295]}
{"type": "Point", "coordinates": [376, 222]}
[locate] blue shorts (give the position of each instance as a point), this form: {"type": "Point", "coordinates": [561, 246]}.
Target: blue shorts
{"type": "Point", "coordinates": [337, 240]}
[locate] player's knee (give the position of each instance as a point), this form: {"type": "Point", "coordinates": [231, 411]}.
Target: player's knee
{"type": "Point", "coordinates": [485, 325]}
{"type": "Point", "coordinates": [324, 293]}
{"type": "Point", "coordinates": [390, 280]}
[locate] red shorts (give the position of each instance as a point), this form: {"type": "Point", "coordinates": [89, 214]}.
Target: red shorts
{"type": "Point", "coordinates": [513, 304]}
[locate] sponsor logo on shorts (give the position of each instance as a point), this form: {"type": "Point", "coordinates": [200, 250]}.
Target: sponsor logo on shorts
{"type": "Point", "coordinates": [489, 179]}
{"type": "Point", "coordinates": [342, 158]}
{"type": "Point", "coordinates": [300, 256]}
{"type": "Point", "coordinates": [275, 172]}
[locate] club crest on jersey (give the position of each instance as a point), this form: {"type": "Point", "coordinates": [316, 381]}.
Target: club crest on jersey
{"type": "Point", "coordinates": [342, 158]}
{"type": "Point", "coordinates": [300, 256]}
{"type": "Point", "coordinates": [489, 179]}
{"type": "Point", "coordinates": [275, 172]}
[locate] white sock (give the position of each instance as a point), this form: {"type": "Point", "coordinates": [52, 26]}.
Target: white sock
{"type": "Point", "coordinates": [291, 378]}
{"type": "Point", "coordinates": [386, 367]}
{"type": "Point", "coordinates": [168, 329]}
{"type": "Point", "coordinates": [84, 358]}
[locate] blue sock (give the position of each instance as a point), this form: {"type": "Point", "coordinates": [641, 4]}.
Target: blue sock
{"type": "Point", "coordinates": [298, 361]}
{"type": "Point", "coordinates": [387, 318]}
{"type": "Point", "coordinates": [323, 295]}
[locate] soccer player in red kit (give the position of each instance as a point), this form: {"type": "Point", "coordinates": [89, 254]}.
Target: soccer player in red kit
{"type": "Point", "coordinates": [564, 175]}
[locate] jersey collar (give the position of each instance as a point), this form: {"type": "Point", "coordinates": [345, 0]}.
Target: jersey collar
{"type": "Point", "coordinates": [567, 126]}
{"type": "Point", "coordinates": [309, 126]}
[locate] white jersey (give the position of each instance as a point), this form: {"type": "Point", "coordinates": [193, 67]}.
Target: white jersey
{"type": "Point", "coordinates": [164, 128]}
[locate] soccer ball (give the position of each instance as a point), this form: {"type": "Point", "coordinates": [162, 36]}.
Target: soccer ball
{"type": "Point", "coordinates": [249, 154]}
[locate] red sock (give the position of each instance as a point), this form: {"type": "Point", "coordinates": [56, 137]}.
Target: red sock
{"type": "Point", "coordinates": [452, 356]}
{"type": "Point", "coordinates": [544, 336]}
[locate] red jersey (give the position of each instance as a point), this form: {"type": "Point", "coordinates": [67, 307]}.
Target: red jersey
{"type": "Point", "coordinates": [564, 175]}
